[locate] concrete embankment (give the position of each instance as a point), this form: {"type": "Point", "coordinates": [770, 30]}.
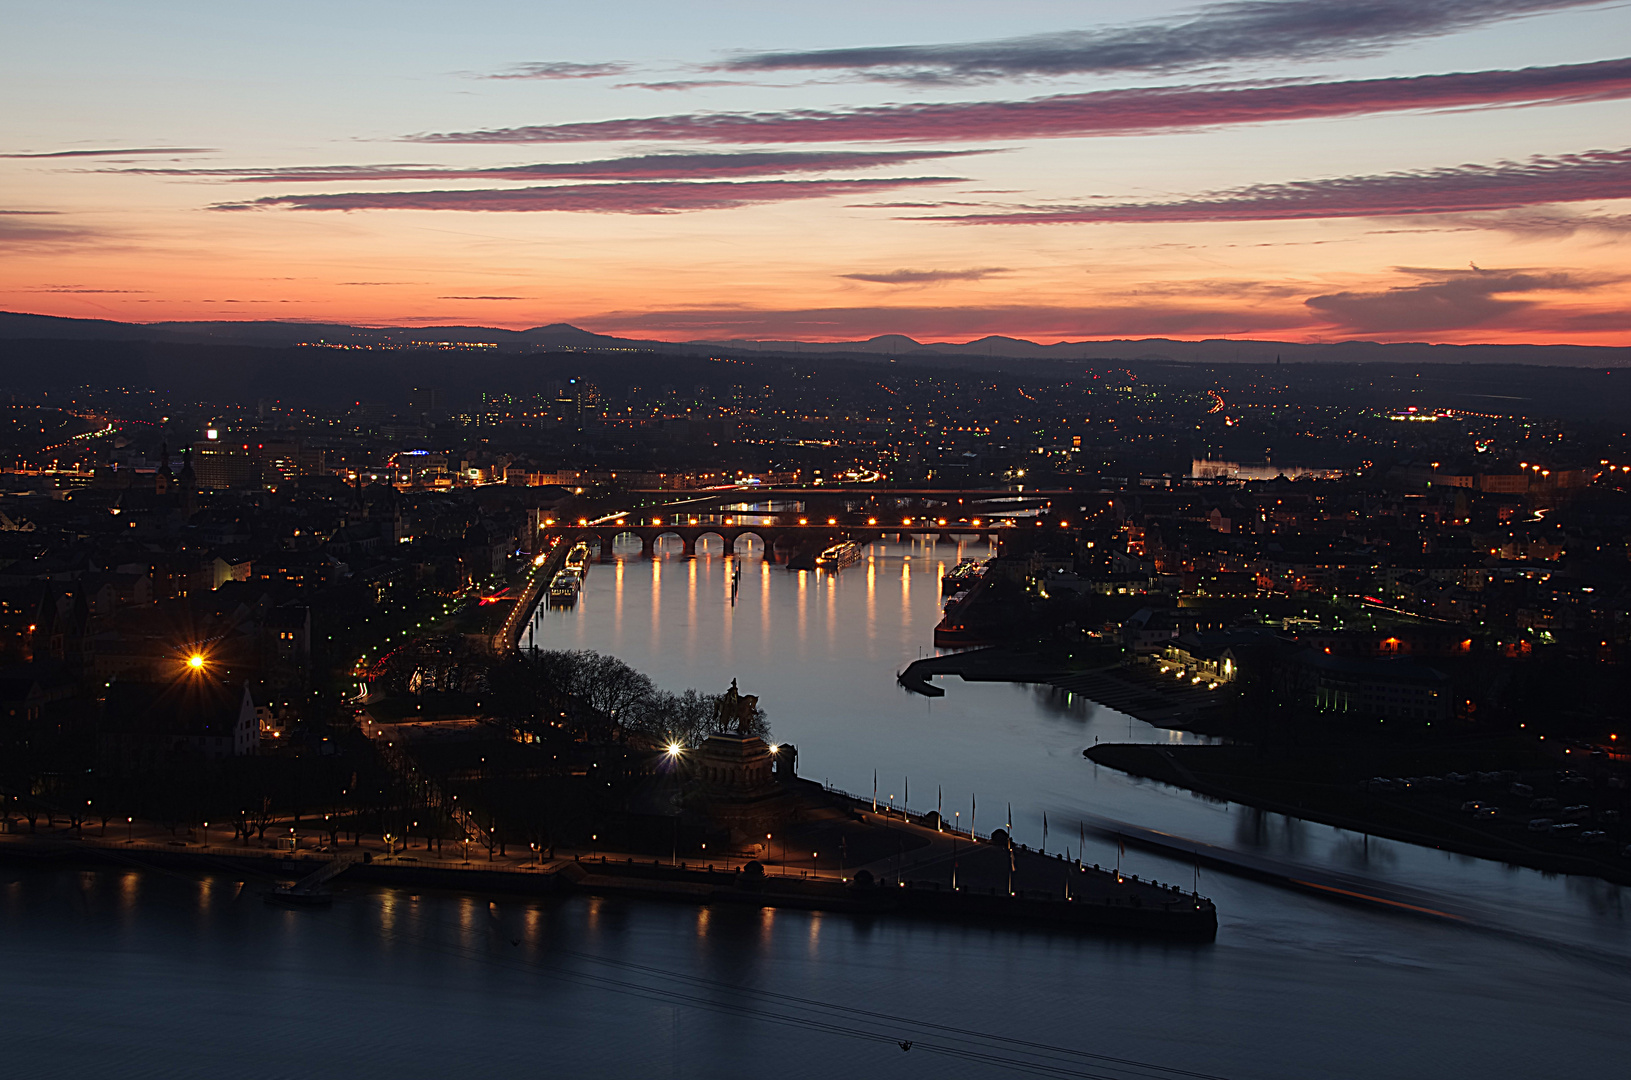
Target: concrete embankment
{"type": "Point", "coordinates": [533, 582]}
{"type": "Point", "coordinates": [1131, 690]}
{"type": "Point", "coordinates": [1098, 904]}
{"type": "Point", "coordinates": [273, 867]}
{"type": "Point", "coordinates": [1139, 908]}
{"type": "Point", "coordinates": [979, 665]}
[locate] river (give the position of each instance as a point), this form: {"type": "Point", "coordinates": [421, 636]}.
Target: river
{"type": "Point", "coordinates": [176, 976]}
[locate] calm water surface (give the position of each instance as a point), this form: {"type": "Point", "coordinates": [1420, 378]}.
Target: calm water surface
{"type": "Point", "coordinates": [118, 973]}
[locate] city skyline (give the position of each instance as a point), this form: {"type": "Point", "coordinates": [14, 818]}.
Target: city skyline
{"type": "Point", "coordinates": [1298, 170]}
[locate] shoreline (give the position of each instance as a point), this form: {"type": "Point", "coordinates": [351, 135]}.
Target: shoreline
{"type": "Point", "coordinates": [1106, 678]}
{"type": "Point", "coordinates": [1103, 905]}
{"type": "Point", "coordinates": [1176, 766]}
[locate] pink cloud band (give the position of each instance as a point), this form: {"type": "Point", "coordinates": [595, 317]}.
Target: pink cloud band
{"type": "Point", "coordinates": [1594, 175]}
{"type": "Point", "coordinates": [1100, 113]}
{"type": "Point", "coordinates": [631, 198]}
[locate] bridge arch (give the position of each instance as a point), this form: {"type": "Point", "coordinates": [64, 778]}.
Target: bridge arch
{"type": "Point", "coordinates": [719, 533]}
{"type": "Point", "coordinates": [593, 538]}
{"type": "Point", "coordinates": [640, 536]}
{"type": "Point", "coordinates": [667, 534]}
{"type": "Point", "coordinates": [733, 542]}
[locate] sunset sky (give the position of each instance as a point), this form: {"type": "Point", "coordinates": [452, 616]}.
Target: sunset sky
{"type": "Point", "coordinates": [1308, 170]}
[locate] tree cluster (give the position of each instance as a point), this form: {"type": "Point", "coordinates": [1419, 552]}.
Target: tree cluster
{"type": "Point", "coordinates": [602, 698]}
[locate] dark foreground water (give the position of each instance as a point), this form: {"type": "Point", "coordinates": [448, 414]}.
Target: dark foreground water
{"type": "Point", "coordinates": [157, 975]}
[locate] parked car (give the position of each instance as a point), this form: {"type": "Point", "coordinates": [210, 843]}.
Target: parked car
{"type": "Point", "coordinates": [1565, 827]}
{"type": "Point", "coordinates": [1472, 807]}
{"type": "Point", "coordinates": [1521, 790]}
{"type": "Point", "coordinates": [1576, 813]}
{"type": "Point", "coordinates": [1593, 836]}
{"type": "Point", "coordinates": [1540, 824]}
{"type": "Point", "coordinates": [1543, 804]}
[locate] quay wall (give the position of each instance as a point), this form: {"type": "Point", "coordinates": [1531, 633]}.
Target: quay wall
{"type": "Point", "coordinates": [1171, 915]}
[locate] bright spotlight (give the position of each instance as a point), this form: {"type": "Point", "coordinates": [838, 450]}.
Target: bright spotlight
{"type": "Point", "coordinates": [196, 662]}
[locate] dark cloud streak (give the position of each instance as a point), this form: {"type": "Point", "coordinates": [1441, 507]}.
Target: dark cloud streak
{"type": "Point", "coordinates": [927, 277]}
{"type": "Point", "coordinates": [629, 198]}
{"type": "Point", "coordinates": [1135, 111]}
{"type": "Point", "coordinates": [117, 153]}
{"type": "Point", "coordinates": [561, 69]}
{"type": "Point", "coordinates": [1586, 177]}
{"type": "Point", "coordinates": [645, 167]}
{"type": "Point", "coordinates": [1449, 301]}
{"type": "Point", "coordinates": [1220, 33]}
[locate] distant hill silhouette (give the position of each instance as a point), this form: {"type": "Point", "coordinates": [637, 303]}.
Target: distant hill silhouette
{"type": "Point", "coordinates": [17, 326]}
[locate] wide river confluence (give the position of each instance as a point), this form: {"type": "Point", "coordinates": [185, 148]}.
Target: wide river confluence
{"type": "Point", "coordinates": [155, 975]}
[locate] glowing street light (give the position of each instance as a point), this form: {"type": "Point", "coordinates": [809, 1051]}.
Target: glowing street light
{"type": "Point", "coordinates": [196, 661]}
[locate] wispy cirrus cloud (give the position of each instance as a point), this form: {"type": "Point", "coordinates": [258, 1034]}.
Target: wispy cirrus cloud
{"type": "Point", "coordinates": [561, 69]}
{"type": "Point", "coordinates": [656, 197]}
{"type": "Point", "coordinates": [1543, 223]}
{"type": "Point", "coordinates": [1216, 34]}
{"type": "Point", "coordinates": [1134, 111]}
{"type": "Point", "coordinates": [120, 152]}
{"type": "Point", "coordinates": [35, 229]}
{"type": "Point", "coordinates": [1586, 177]}
{"type": "Point", "coordinates": [69, 289]}
{"type": "Point", "coordinates": [927, 277]}
{"type": "Point", "coordinates": [644, 167]}
{"type": "Point", "coordinates": [1446, 300]}
{"type": "Point", "coordinates": [683, 84]}
{"type": "Point", "coordinates": [482, 298]}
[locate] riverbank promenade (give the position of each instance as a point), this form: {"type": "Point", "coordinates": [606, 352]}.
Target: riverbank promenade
{"type": "Point", "coordinates": [912, 869]}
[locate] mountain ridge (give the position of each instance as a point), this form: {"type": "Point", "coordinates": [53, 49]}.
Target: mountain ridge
{"type": "Point", "coordinates": [274, 333]}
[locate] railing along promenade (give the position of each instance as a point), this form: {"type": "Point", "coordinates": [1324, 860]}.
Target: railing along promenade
{"type": "Point", "coordinates": [539, 575]}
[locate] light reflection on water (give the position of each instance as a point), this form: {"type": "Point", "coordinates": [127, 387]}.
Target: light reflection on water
{"type": "Point", "coordinates": [391, 984]}
{"type": "Point", "coordinates": [167, 978]}
{"type": "Point", "coordinates": [824, 668]}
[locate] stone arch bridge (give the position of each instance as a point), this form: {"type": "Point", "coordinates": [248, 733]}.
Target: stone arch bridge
{"type": "Point", "coordinates": [773, 538]}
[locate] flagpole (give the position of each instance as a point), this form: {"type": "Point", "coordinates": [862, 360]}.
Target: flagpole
{"type": "Point", "coordinates": [874, 791]}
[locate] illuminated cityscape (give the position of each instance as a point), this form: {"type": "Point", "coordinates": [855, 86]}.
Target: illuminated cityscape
{"type": "Point", "coordinates": [714, 541]}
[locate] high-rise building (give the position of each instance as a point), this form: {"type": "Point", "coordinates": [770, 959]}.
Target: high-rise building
{"type": "Point", "coordinates": [228, 463]}
{"type": "Point", "coordinates": [425, 404]}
